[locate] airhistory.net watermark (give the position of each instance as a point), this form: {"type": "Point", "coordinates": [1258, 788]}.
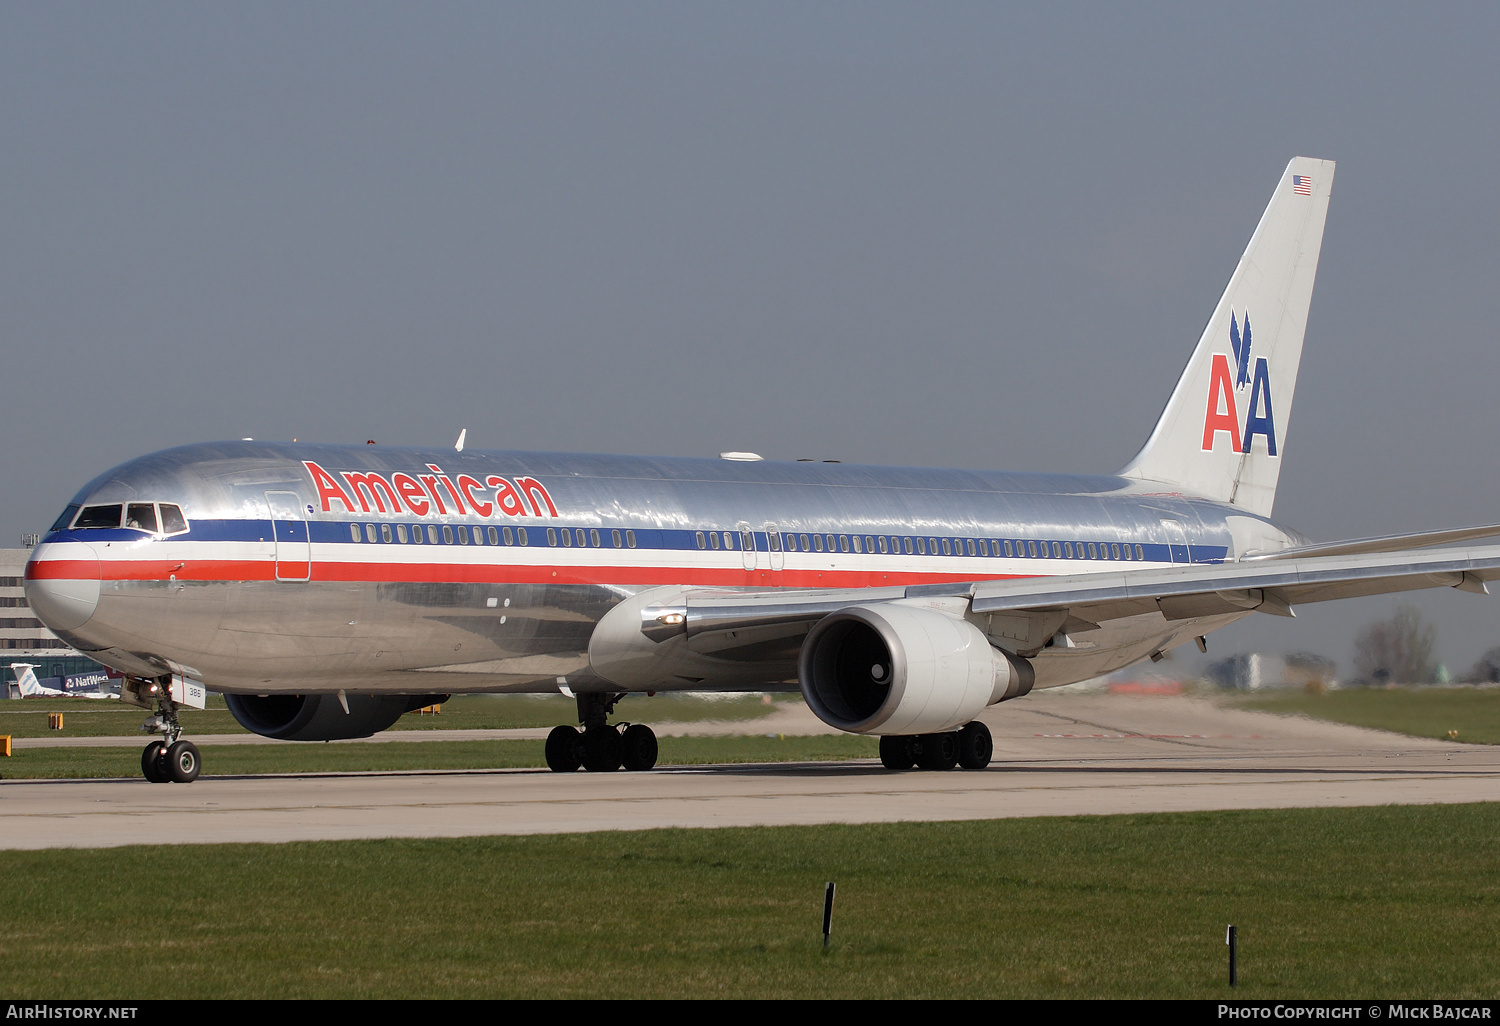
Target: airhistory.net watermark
{"type": "Point", "coordinates": [48, 1010]}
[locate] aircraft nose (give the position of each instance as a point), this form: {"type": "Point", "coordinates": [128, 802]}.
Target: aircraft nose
{"type": "Point", "coordinates": [62, 584]}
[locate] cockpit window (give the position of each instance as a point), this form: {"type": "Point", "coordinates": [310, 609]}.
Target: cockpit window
{"type": "Point", "coordinates": [100, 516]}
{"type": "Point", "coordinates": [66, 518]}
{"type": "Point", "coordinates": [141, 516]}
{"type": "Point", "coordinates": [172, 520]}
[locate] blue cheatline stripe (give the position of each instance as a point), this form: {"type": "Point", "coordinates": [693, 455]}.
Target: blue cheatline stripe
{"type": "Point", "coordinates": [336, 532]}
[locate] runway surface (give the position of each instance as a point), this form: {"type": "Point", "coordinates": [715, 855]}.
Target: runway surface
{"type": "Point", "coordinates": [1055, 754]}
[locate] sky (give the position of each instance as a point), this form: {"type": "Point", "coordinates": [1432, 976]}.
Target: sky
{"type": "Point", "coordinates": [922, 234]}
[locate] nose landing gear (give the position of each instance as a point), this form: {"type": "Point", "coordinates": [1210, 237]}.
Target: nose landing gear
{"type": "Point", "coordinates": [169, 760]}
{"type": "Point", "coordinates": [177, 763]}
{"type": "Point", "coordinates": [599, 747]}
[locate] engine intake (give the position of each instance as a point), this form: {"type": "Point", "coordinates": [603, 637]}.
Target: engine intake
{"type": "Point", "coordinates": [322, 717]}
{"type": "Point", "coordinates": [904, 668]}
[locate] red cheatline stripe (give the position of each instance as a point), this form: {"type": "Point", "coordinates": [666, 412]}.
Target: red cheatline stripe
{"type": "Point", "coordinates": [468, 573]}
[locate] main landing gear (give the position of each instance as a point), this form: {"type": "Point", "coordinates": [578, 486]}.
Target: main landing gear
{"type": "Point", "coordinates": [599, 747]}
{"type": "Point", "coordinates": [170, 760]}
{"type": "Point", "coordinates": [970, 748]}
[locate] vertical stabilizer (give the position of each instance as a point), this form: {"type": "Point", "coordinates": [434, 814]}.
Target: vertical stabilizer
{"type": "Point", "coordinates": [1224, 429]}
{"type": "Point", "coordinates": [26, 679]}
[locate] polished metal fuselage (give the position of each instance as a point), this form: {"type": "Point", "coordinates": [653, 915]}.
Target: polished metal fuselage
{"type": "Point", "coordinates": [259, 599]}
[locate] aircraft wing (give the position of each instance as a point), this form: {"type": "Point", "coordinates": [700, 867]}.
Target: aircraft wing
{"type": "Point", "coordinates": [1178, 592]}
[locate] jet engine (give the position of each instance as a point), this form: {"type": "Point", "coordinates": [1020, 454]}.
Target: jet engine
{"type": "Point", "coordinates": [322, 717]}
{"type": "Point", "coordinates": [904, 667]}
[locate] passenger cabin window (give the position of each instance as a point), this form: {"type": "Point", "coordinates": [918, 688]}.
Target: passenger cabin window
{"type": "Point", "coordinates": [594, 537]}
{"type": "Point", "coordinates": [614, 536]}
{"type": "Point", "coordinates": [447, 535]}
{"type": "Point", "coordinates": [906, 545]}
{"type": "Point", "coordinates": [520, 535]}
{"type": "Point", "coordinates": [508, 535]}
{"type": "Point", "coordinates": [99, 516]}
{"type": "Point", "coordinates": [882, 543]}
{"type": "Point", "coordinates": [354, 532]}
{"type": "Point", "coordinates": [551, 536]}
{"type": "Point", "coordinates": [713, 539]}
{"type": "Point", "coordinates": [1138, 553]}
{"type": "Point", "coordinates": [370, 531]}
{"type": "Point", "coordinates": [773, 540]}
{"type": "Point", "coordinates": [494, 534]}
{"type": "Point", "coordinates": [818, 542]}
{"type": "Point", "coordinates": [401, 533]}
{"type": "Point", "coordinates": [630, 538]}
{"type": "Point", "coordinates": [432, 533]}
{"type": "Point", "coordinates": [416, 535]}
{"type": "Point", "coordinates": [567, 537]}
{"type": "Point", "coordinates": [385, 533]}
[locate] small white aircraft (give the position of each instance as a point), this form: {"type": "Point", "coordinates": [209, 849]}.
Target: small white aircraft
{"type": "Point", "coordinates": [33, 688]}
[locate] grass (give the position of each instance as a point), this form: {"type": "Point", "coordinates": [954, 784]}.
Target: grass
{"type": "Point", "coordinates": [92, 718]}
{"type": "Point", "coordinates": [1384, 902]}
{"type": "Point", "coordinates": [1474, 713]}
{"type": "Point", "coordinates": [295, 757]}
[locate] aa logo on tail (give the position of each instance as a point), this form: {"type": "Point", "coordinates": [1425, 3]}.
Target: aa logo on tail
{"type": "Point", "coordinates": [1223, 410]}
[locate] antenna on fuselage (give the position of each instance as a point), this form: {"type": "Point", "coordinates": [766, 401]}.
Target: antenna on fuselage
{"type": "Point", "coordinates": [458, 446]}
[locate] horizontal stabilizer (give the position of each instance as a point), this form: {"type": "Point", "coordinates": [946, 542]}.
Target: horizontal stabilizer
{"type": "Point", "coordinates": [1383, 543]}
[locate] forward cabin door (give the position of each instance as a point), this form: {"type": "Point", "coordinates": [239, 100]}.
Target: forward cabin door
{"type": "Point", "coordinates": [293, 546]}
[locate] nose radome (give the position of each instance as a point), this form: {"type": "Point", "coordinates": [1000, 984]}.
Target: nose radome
{"type": "Point", "coordinates": [62, 584]}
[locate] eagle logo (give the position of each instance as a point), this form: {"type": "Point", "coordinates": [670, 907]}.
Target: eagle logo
{"type": "Point", "coordinates": [1241, 350]}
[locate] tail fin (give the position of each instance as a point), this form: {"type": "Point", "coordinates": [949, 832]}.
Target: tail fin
{"type": "Point", "coordinates": [26, 679]}
{"type": "Point", "coordinates": [1223, 431]}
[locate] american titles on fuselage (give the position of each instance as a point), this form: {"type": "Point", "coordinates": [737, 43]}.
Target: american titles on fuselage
{"type": "Point", "coordinates": [430, 494]}
{"type": "Point", "coordinates": [1222, 414]}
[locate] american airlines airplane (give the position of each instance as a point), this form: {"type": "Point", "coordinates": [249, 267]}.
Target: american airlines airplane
{"type": "Point", "coordinates": [326, 590]}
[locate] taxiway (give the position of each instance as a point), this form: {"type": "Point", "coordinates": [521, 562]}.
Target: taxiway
{"type": "Point", "coordinates": [1055, 754]}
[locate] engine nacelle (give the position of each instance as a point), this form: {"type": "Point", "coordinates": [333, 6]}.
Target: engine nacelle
{"type": "Point", "coordinates": [322, 717]}
{"type": "Point", "coordinates": [904, 667]}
